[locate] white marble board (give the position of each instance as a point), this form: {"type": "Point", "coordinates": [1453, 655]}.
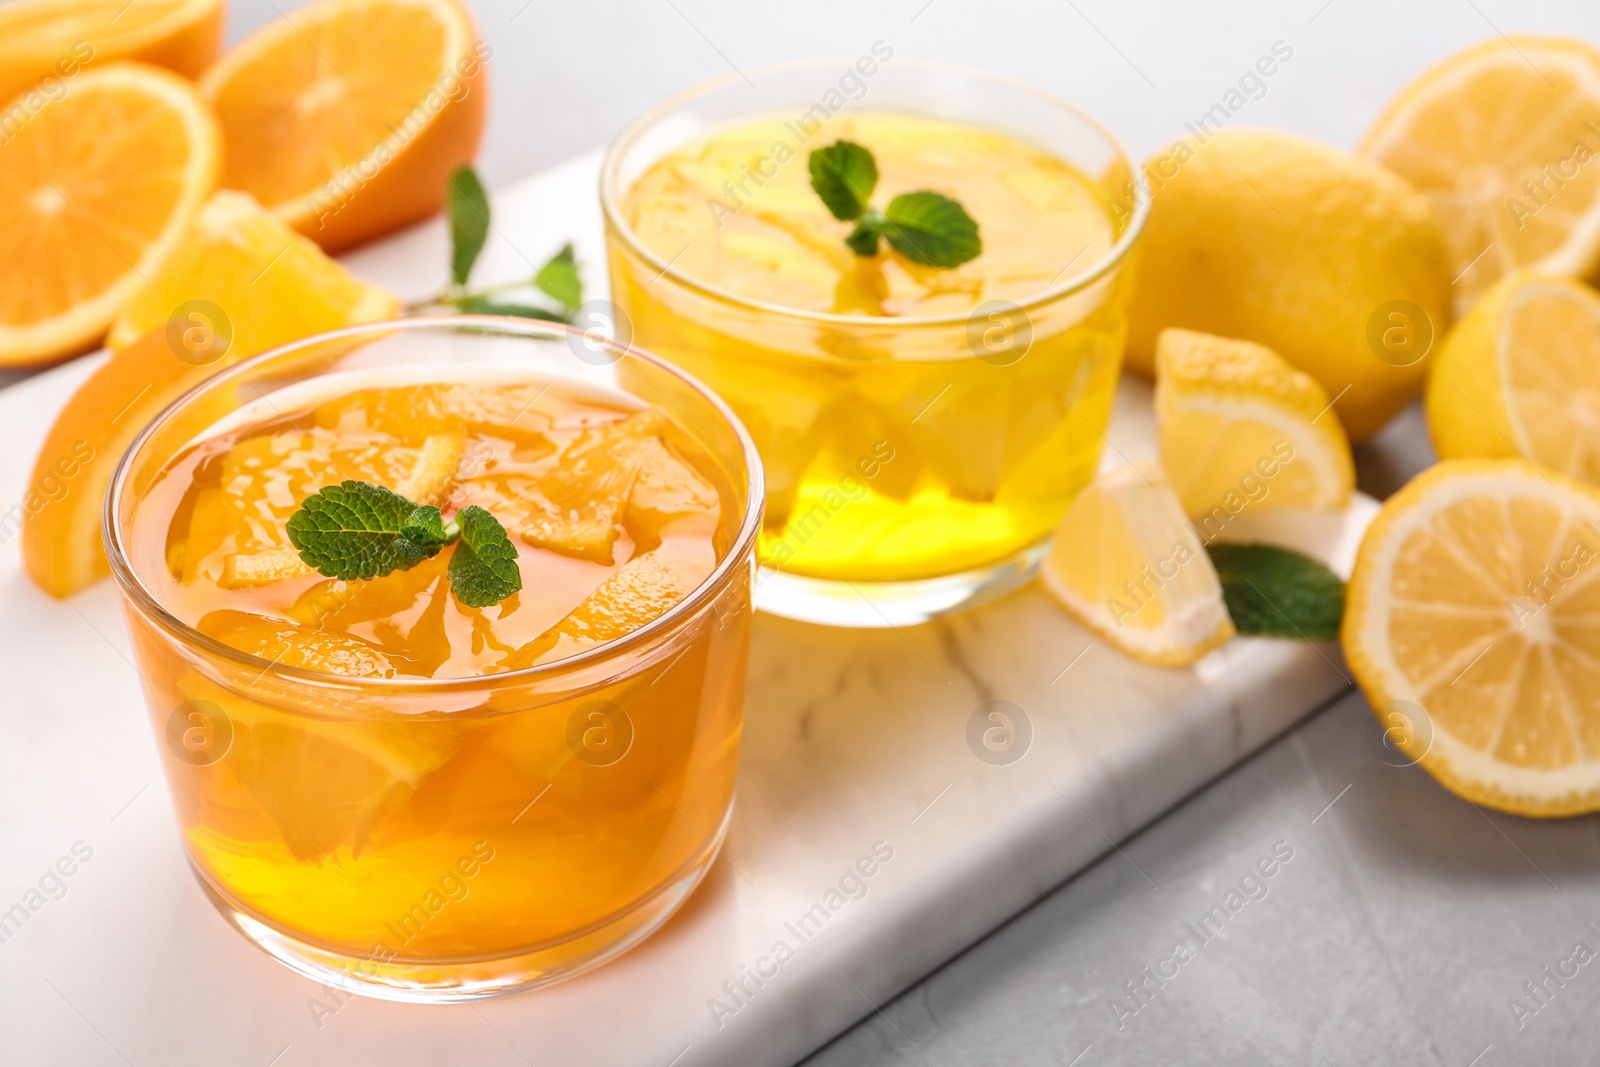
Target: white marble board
{"type": "Point", "coordinates": [854, 740]}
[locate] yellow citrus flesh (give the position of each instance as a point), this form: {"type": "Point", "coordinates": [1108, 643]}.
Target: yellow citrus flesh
{"type": "Point", "coordinates": [46, 43]}
{"type": "Point", "coordinates": [346, 119]}
{"type": "Point", "coordinates": [264, 283]}
{"type": "Point", "coordinates": [1520, 376]}
{"type": "Point", "coordinates": [1295, 245]}
{"type": "Point", "coordinates": [1126, 563]}
{"type": "Point", "coordinates": [1503, 139]}
{"type": "Point", "coordinates": [95, 190]}
{"type": "Point", "coordinates": [613, 524]}
{"type": "Point", "coordinates": [1472, 623]}
{"type": "Point", "coordinates": [1238, 426]}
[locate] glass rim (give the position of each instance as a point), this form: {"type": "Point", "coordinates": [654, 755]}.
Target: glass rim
{"type": "Point", "coordinates": [113, 534]}
{"type": "Point", "coordinates": [611, 208]}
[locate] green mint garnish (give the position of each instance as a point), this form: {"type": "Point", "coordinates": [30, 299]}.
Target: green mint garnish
{"type": "Point", "coordinates": [924, 226]}
{"type": "Point", "coordinates": [1273, 592]}
{"type": "Point", "coordinates": [483, 570]}
{"type": "Point", "coordinates": [558, 278]}
{"type": "Point", "coordinates": [468, 205]}
{"type": "Point", "coordinates": [359, 530]}
{"type": "Point", "coordinates": [467, 209]}
{"type": "Point", "coordinates": [844, 175]}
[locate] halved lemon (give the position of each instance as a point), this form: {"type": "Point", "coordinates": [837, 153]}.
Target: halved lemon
{"type": "Point", "coordinates": [95, 190]}
{"type": "Point", "coordinates": [1239, 427]}
{"type": "Point", "coordinates": [1504, 138]}
{"type": "Point", "coordinates": [46, 43]}
{"type": "Point", "coordinates": [1126, 563]}
{"type": "Point", "coordinates": [1520, 376]}
{"type": "Point", "coordinates": [1472, 623]}
{"type": "Point", "coordinates": [346, 117]}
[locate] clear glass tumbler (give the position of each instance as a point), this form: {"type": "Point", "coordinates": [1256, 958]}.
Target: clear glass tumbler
{"type": "Point", "coordinates": [441, 839]}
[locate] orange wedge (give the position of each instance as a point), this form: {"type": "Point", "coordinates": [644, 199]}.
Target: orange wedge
{"type": "Point", "coordinates": [95, 189]}
{"type": "Point", "coordinates": [272, 285]}
{"type": "Point", "coordinates": [46, 43]}
{"type": "Point", "coordinates": [346, 117]}
{"type": "Point", "coordinates": [1503, 137]}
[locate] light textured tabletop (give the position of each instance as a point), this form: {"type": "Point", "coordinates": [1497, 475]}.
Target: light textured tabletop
{"type": "Point", "coordinates": [1404, 920]}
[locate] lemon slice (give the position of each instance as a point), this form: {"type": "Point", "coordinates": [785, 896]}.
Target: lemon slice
{"type": "Point", "coordinates": [1472, 623]}
{"type": "Point", "coordinates": [1520, 376]}
{"type": "Point", "coordinates": [1239, 427]}
{"type": "Point", "coordinates": [1126, 563]}
{"type": "Point", "coordinates": [1503, 138]}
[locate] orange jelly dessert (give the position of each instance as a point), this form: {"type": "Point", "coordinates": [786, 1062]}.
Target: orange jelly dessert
{"type": "Point", "coordinates": [378, 781]}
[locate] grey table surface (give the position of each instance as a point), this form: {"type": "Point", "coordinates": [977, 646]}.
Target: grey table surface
{"type": "Point", "coordinates": [1406, 922]}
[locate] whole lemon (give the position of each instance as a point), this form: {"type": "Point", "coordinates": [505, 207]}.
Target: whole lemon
{"type": "Point", "coordinates": [1332, 260]}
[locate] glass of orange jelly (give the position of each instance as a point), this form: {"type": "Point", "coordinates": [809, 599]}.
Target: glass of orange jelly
{"type": "Point", "coordinates": [923, 429]}
{"type": "Point", "coordinates": [390, 791]}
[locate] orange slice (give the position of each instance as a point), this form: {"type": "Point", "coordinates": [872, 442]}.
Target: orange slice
{"type": "Point", "coordinates": [271, 284]}
{"type": "Point", "coordinates": [346, 117]}
{"type": "Point", "coordinates": [46, 43]}
{"type": "Point", "coordinates": [1472, 624]}
{"type": "Point", "coordinates": [95, 190]}
{"type": "Point", "coordinates": [1504, 138]}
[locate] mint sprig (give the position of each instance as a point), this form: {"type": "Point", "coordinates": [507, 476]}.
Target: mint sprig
{"type": "Point", "coordinates": [470, 220]}
{"type": "Point", "coordinates": [359, 530]}
{"type": "Point", "coordinates": [924, 226]}
{"type": "Point", "coordinates": [1273, 592]}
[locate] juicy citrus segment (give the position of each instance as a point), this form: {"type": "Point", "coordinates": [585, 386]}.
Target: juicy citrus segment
{"type": "Point", "coordinates": [1473, 623]}
{"type": "Point", "coordinates": [265, 286]}
{"type": "Point", "coordinates": [45, 43]}
{"type": "Point", "coordinates": [240, 531]}
{"type": "Point", "coordinates": [1502, 138]}
{"type": "Point", "coordinates": [668, 495]}
{"type": "Point", "coordinates": [346, 119]}
{"type": "Point", "coordinates": [272, 284]}
{"type": "Point", "coordinates": [643, 590]}
{"type": "Point", "coordinates": [415, 412]}
{"type": "Point", "coordinates": [94, 192]}
{"type": "Point", "coordinates": [1520, 376]}
{"type": "Point", "coordinates": [1126, 564]}
{"type": "Point", "coordinates": [435, 469]}
{"type": "Point", "coordinates": [576, 508]}
{"type": "Point", "coordinates": [1238, 426]}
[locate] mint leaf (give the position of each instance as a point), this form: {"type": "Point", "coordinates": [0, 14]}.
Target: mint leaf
{"type": "Point", "coordinates": [424, 528]}
{"type": "Point", "coordinates": [844, 175]}
{"type": "Point", "coordinates": [353, 530]}
{"type": "Point", "coordinates": [483, 569]}
{"type": "Point", "coordinates": [930, 228]}
{"type": "Point", "coordinates": [1273, 592]}
{"type": "Point", "coordinates": [559, 278]}
{"type": "Point", "coordinates": [863, 240]}
{"type": "Point", "coordinates": [467, 205]}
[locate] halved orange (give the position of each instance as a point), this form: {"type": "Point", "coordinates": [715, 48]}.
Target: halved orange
{"type": "Point", "coordinates": [95, 189]}
{"type": "Point", "coordinates": [346, 117]}
{"type": "Point", "coordinates": [46, 43]}
{"type": "Point", "coordinates": [237, 267]}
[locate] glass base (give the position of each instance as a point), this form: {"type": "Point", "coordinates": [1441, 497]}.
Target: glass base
{"type": "Point", "coordinates": [829, 602]}
{"type": "Point", "coordinates": [452, 981]}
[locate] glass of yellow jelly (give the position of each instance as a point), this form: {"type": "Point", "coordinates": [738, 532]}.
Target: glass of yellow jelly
{"type": "Point", "coordinates": [922, 429]}
{"type": "Point", "coordinates": [388, 790]}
